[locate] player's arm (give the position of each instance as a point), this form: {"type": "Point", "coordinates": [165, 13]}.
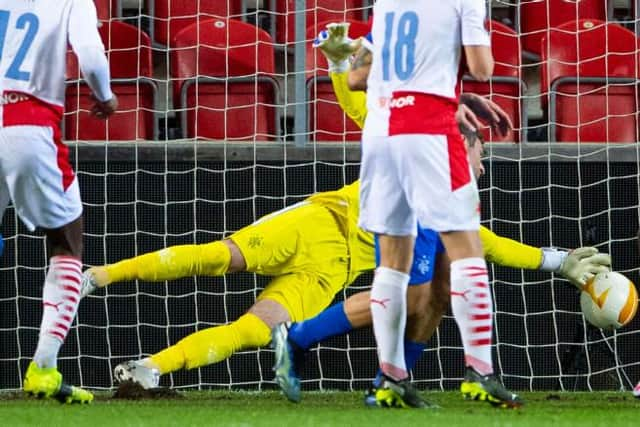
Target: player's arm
{"type": "Point", "coordinates": [508, 252]}
{"type": "Point", "coordinates": [353, 103]}
{"type": "Point", "coordinates": [87, 45]}
{"type": "Point", "coordinates": [576, 266]}
{"type": "Point", "coordinates": [361, 65]}
{"type": "Point", "coordinates": [337, 47]}
{"type": "Point", "coordinates": [476, 41]}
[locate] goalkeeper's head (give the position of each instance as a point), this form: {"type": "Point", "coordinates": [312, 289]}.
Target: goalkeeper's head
{"type": "Point", "coordinates": [475, 151]}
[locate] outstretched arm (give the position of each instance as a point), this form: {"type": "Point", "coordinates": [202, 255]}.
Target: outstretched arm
{"type": "Point", "coordinates": [353, 103]}
{"type": "Point", "coordinates": [337, 47]}
{"type": "Point", "coordinates": [577, 266]}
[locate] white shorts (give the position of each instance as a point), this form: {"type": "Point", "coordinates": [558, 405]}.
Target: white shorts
{"type": "Point", "coordinates": [36, 175]}
{"type": "Point", "coordinates": [406, 179]}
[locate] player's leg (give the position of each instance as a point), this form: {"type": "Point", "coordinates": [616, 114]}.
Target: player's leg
{"type": "Point", "coordinates": [452, 208]}
{"type": "Point", "coordinates": [60, 299]}
{"type": "Point", "coordinates": [355, 312]}
{"type": "Point", "coordinates": [426, 304]}
{"type": "Point", "coordinates": [385, 210]}
{"type": "Point", "coordinates": [392, 391]}
{"type": "Point", "coordinates": [312, 297]}
{"type": "Point", "coordinates": [291, 341]}
{"type": "Point", "coordinates": [280, 302]}
{"type": "Point", "coordinates": [430, 305]}
{"type": "Point", "coordinates": [427, 300]}
{"type": "Point", "coordinates": [210, 259]}
{"type": "Point", "coordinates": [264, 247]}
{"type": "Point", "coordinates": [208, 346]}
{"type": "Point", "coordinates": [45, 193]}
{"type": "Point", "coordinates": [388, 302]}
{"type": "Point", "coordinates": [472, 307]}
{"type": "Point", "coordinates": [471, 300]}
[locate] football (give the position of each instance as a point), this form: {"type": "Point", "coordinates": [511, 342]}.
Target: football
{"type": "Point", "coordinates": [609, 300]}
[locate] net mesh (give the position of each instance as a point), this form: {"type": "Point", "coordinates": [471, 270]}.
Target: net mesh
{"type": "Point", "coordinates": [224, 121]}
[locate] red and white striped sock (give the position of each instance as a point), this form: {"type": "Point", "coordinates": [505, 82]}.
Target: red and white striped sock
{"type": "Point", "coordinates": [60, 299]}
{"type": "Point", "coordinates": [472, 307]}
{"type": "Point", "coordinates": [388, 303]}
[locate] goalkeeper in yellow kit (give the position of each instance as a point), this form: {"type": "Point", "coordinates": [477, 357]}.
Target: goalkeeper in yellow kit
{"type": "Point", "coordinates": [313, 250]}
{"type": "Point", "coordinates": [428, 292]}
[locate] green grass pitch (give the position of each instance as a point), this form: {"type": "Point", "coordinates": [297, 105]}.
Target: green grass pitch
{"type": "Point", "coordinates": [219, 408]}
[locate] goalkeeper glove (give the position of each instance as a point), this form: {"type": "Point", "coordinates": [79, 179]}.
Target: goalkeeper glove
{"type": "Point", "coordinates": [576, 266]}
{"type": "Point", "coordinates": [337, 47]}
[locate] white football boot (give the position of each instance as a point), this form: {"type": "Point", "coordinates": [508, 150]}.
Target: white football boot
{"type": "Point", "coordinates": [636, 391]}
{"type": "Point", "coordinates": [138, 372]}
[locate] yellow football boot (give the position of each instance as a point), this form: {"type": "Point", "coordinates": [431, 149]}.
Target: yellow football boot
{"type": "Point", "coordinates": [47, 383]}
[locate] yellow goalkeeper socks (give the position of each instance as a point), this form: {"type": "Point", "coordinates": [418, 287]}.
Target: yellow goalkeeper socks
{"type": "Point", "coordinates": [213, 345]}
{"type": "Point", "coordinates": [175, 262]}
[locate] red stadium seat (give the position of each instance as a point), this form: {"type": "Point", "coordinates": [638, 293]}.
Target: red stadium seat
{"type": "Point", "coordinates": [326, 119]}
{"type": "Point", "coordinates": [224, 80]}
{"type": "Point", "coordinates": [107, 9]}
{"type": "Point", "coordinates": [591, 77]}
{"type": "Point", "coordinates": [505, 87]}
{"type": "Point", "coordinates": [538, 16]}
{"type": "Point", "coordinates": [171, 16]}
{"type": "Point", "coordinates": [317, 11]}
{"type": "Point", "coordinates": [129, 53]}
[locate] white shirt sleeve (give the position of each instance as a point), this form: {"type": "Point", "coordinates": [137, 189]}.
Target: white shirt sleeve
{"type": "Point", "coordinates": [87, 45]}
{"type": "Point", "coordinates": [473, 17]}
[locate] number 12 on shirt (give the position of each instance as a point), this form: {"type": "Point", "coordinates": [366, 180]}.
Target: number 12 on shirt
{"type": "Point", "coordinates": [404, 48]}
{"type": "Point", "coordinates": [28, 22]}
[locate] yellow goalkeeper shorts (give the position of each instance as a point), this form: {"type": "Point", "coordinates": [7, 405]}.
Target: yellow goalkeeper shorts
{"type": "Point", "coordinates": [303, 295]}
{"type": "Point", "coordinates": [305, 249]}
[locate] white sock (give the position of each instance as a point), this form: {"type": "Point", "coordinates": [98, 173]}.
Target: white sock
{"type": "Point", "coordinates": [472, 307]}
{"type": "Point", "coordinates": [389, 312]}
{"type": "Point", "coordinates": [60, 299]}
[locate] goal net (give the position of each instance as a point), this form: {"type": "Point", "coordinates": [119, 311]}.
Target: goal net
{"type": "Point", "coordinates": [223, 120]}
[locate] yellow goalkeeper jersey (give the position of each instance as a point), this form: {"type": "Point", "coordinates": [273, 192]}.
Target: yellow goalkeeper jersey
{"type": "Point", "coordinates": [345, 204]}
{"type": "Point", "coordinates": [497, 249]}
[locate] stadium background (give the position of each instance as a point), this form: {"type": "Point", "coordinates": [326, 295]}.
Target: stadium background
{"type": "Point", "coordinates": [145, 187]}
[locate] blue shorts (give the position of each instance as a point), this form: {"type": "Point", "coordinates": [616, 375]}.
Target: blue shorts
{"type": "Point", "coordinates": [428, 246]}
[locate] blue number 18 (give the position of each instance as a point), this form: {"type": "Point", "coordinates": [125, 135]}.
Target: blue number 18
{"type": "Point", "coordinates": [31, 23]}
{"type": "Point", "coordinates": [405, 47]}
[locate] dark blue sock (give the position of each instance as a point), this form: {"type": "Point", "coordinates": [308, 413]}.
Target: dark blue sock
{"type": "Point", "coordinates": [1, 244]}
{"type": "Point", "coordinates": [412, 352]}
{"type": "Point", "coordinates": [329, 323]}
